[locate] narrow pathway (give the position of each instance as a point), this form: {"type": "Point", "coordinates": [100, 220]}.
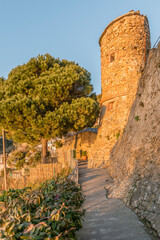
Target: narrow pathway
{"type": "Point", "coordinates": [106, 218]}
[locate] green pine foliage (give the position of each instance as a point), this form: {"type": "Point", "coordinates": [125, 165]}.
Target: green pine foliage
{"type": "Point", "coordinates": [46, 98]}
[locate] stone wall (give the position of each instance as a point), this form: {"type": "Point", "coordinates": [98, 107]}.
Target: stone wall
{"type": "Point", "coordinates": [135, 159]}
{"type": "Point", "coordinates": [85, 140]}
{"type": "Point", "coordinates": [124, 47]}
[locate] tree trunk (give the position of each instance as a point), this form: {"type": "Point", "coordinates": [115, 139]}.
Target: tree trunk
{"type": "Point", "coordinates": [75, 144]}
{"type": "Point", "coordinates": [44, 150]}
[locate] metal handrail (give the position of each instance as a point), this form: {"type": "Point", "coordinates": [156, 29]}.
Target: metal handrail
{"type": "Point", "coordinates": [74, 174]}
{"type": "Point", "coordinates": [157, 42]}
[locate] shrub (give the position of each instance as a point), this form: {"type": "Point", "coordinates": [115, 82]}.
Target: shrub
{"type": "Point", "coordinates": [141, 104]}
{"type": "Point", "coordinates": [50, 212]}
{"type": "Point", "coordinates": [84, 153]}
{"type": "Point", "coordinates": [137, 118]}
{"type": "Point", "coordinates": [8, 170]}
{"type": "Point", "coordinates": [117, 135]}
{"type": "Point", "coordinates": [58, 144]}
{"type": "Point", "coordinates": [20, 158]}
{"type": "Point", "coordinates": [17, 159]}
{"type": "Point", "coordinates": [35, 159]}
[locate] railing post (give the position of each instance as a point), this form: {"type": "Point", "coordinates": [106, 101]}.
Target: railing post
{"type": "Point", "coordinates": [4, 160]}
{"type": "Point", "coordinates": [77, 171]}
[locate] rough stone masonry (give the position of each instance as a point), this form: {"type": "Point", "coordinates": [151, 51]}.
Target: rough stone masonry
{"type": "Point", "coordinates": [135, 159]}
{"type": "Point", "coordinates": [130, 112]}
{"type": "Point", "coordinates": [124, 46]}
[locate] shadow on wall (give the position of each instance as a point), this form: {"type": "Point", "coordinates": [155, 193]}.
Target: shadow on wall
{"type": "Point", "coordinates": [102, 114]}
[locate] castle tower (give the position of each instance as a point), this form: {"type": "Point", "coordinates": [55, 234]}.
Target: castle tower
{"type": "Point", "coordinates": [124, 46]}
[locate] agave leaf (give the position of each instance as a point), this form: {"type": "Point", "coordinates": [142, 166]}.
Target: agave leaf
{"type": "Point", "coordinates": [3, 234]}
{"type": "Point", "coordinates": [22, 225]}
{"type": "Point", "coordinates": [24, 215]}
{"type": "Point", "coordinates": [40, 224]}
{"type": "Point", "coordinates": [32, 230]}
{"type": "Point", "coordinates": [25, 237]}
{"type": "Point", "coordinates": [12, 227]}
{"type": "Point", "coordinates": [39, 237]}
{"type": "Point", "coordinates": [53, 212]}
{"type": "Point", "coordinates": [7, 225]}
{"type": "Point", "coordinates": [28, 217]}
{"type": "Point", "coordinates": [28, 229]}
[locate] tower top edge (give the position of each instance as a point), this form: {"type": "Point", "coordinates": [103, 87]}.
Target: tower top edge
{"type": "Point", "coordinates": [130, 13]}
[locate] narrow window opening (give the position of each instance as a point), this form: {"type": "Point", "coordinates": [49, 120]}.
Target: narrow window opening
{"type": "Point", "coordinates": [110, 106]}
{"type": "Point", "coordinates": [112, 57]}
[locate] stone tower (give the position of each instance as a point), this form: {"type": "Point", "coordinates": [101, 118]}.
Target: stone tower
{"type": "Point", "coordinates": [124, 46]}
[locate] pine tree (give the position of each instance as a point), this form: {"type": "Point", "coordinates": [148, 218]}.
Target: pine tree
{"type": "Point", "coordinates": [46, 98]}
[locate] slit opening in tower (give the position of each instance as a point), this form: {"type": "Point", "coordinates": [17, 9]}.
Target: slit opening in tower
{"type": "Point", "coordinates": [112, 57]}
{"type": "Point", "coordinates": [110, 106]}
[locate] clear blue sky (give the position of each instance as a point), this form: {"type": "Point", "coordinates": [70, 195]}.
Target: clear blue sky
{"type": "Point", "coordinates": [68, 29]}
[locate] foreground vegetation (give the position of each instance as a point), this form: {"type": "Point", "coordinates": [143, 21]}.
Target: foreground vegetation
{"type": "Point", "coordinates": [52, 211]}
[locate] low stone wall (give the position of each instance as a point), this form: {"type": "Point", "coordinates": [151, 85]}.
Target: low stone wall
{"type": "Point", "coordinates": [85, 141]}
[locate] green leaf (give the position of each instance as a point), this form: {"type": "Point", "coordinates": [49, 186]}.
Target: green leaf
{"type": "Point", "coordinates": [24, 237]}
